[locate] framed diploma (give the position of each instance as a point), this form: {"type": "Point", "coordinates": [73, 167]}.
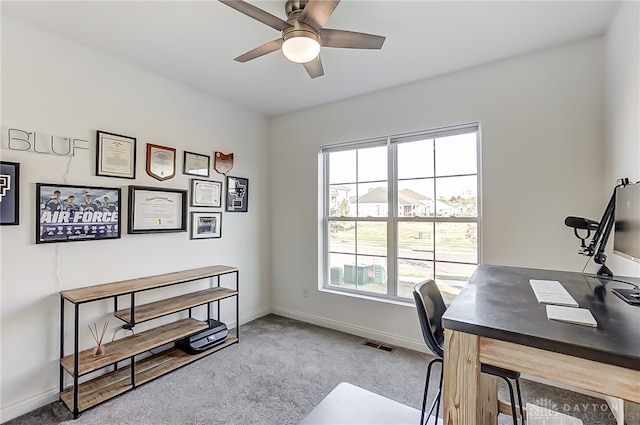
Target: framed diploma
{"type": "Point", "coordinates": [115, 155]}
{"type": "Point", "coordinates": [206, 193]}
{"type": "Point", "coordinates": [161, 162]}
{"type": "Point", "coordinates": [157, 209]}
{"type": "Point", "coordinates": [206, 225]}
{"type": "Point", "coordinates": [196, 164]}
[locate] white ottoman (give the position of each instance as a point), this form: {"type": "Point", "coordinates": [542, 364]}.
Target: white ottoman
{"type": "Point", "coordinates": [351, 405]}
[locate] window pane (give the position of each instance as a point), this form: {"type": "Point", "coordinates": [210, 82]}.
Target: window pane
{"type": "Point", "coordinates": [415, 240]}
{"type": "Point", "coordinates": [410, 273]}
{"type": "Point", "coordinates": [342, 200]}
{"type": "Point", "coordinates": [369, 274]}
{"type": "Point", "coordinates": [372, 164]}
{"type": "Point", "coordinates": [342, 236]}
{"type": "Point", "coordinates": [415, 159]}
{"type": "Point", "coordinates": [371, 238]}
{"type": "Point", "coordinates": [456, 242]}
{"type": "Point", "coordinates": [451, 278]}
{"type": "Point", "coordinates": [336, 267]}
{"type": "Point", "coordinates": [342, 167]}
{"type": "Point", "coordinates": [457, 196]}
{"type": "Point", "coordinates": [456, 155]}
{"type": "Point", "coordinates": [415, 198]}
{"type": "Point", "coordinates": [373, 200]}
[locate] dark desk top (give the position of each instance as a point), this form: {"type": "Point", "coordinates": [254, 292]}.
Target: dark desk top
{"type": "Point", "coordinates": [499, 303]}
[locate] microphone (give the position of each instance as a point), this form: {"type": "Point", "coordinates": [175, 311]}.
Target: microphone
{"type": "Point", "coordinates": [581, 223]}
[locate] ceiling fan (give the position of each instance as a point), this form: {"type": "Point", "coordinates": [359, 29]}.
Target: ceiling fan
{"type": "Point", "coordinates": [302, 33]}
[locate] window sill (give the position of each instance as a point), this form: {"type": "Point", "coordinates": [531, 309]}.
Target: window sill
{"type": "Point", "coordinates": [395, 301]}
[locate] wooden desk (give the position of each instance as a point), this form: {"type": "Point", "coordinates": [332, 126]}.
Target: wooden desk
{"type": "Point", "coordinates": [497, 320]}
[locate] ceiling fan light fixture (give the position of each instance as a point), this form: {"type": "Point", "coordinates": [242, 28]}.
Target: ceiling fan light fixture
{"type": "Point", "coordinates": [300, 46]}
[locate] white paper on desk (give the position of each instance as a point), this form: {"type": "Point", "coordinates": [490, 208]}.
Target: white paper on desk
{"type": "Point", "coordinates": [580, 316]}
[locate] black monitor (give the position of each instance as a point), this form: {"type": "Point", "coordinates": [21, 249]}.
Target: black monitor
{"type": "Point", "coordinates": [626, 234]}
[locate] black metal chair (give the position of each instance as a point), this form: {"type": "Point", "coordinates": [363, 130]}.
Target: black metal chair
{"type": "Point", "coordinates": [430, 307]}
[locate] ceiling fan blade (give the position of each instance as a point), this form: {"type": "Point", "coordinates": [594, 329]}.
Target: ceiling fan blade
{"type": "Point", "coordinates": [317, 12]}
{"type": "Point", "coordinates": [269, 47]}
{"type": "Point", "coordinates": [314, 68]}
{"type": "Point", "coordinates": [350, 39]}
{"type": "Point", "coordinates": [257, 14]}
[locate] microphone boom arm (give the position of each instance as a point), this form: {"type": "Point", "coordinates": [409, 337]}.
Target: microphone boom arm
{"type": "Point", "coordinates": [600, 238]}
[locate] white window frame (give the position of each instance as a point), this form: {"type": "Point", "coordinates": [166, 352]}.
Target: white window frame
{"type": "Point", "coordinates": [392, 218]}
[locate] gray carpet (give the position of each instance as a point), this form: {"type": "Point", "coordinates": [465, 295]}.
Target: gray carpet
{"type": "Point", "coordinates": [277, 374]}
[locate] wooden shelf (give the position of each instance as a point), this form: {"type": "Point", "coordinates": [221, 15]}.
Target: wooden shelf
{"type": "Point", "coordinates": [96, 390]}
{"type": "Point", "coordinates": [172, 305]}
{"type": "Point", "coordinates": [129, 346]}
{"type": "Point", "coordinates": [107, 386]}
{"type": "Point", "coordinates": [106, 290]}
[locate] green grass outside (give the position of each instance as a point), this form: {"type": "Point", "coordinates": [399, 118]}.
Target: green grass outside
{"type": "Point", "coordinates": [415, 236]}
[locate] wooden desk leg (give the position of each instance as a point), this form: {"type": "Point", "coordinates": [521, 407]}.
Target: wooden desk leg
{"type": "Point", "coordinates": [470, 397]}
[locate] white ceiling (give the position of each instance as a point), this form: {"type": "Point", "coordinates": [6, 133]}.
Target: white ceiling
{"type": "Point", "coordinates": [194, 42]}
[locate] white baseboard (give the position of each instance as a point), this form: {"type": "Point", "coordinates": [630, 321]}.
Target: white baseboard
{"type": "Point", "coordinates": [246, 318]}
{"type": "Point", "coordinates": [374, 334]}
{"type": "Point", "coordinates": [28, 405]}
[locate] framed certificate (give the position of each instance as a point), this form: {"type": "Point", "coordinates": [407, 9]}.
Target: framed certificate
{"type": "Point", "coordinates": [161, 162]}
{"type": "Point", "coordinates": [196, 164]}
{"type": "Point", "coordinates": [206, 193]}
{"type": "Point", "coordinates": [206, 225]}
{"type": "Point", "coordinates": [157, 209]}
{"type": "Point", "coordinates": [115, 155]}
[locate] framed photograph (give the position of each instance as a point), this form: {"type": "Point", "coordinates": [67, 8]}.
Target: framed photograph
{"type": "Point", "coordinates": [161, 162]}
{"type": "Point", "coordinates": [9, 193]}
{"type": "Point", "coordinates": [66, 213]}
{"type": "Point", "coordinates": [115, 155]}
{"type": "Point", "coordinates": [206, 193]}
{"type": "Point", "coordinates": [237, 194]}
{"type": "Point", "coordinates": [157, 209]}
{"type": "Point", "coordinates": [206, 225]}
{"type": "Point", "coordinates": [196, 164]}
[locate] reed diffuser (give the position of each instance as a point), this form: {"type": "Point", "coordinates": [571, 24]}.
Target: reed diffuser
{"type": "Point", "coordinates": [99, 350]}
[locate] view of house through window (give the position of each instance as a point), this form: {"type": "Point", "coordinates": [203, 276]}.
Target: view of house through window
{"type": "Point", "coordinates": [401, 209]}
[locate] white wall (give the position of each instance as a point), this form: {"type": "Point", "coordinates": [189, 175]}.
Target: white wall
{"type": "Point", "coordinates": [623, 109]}
{"type": "Point", "coordinates": [542, 118]}
{"type": "Point", "coordinates": [57, 88]}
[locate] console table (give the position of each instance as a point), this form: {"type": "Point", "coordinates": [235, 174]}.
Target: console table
{"type": "Point", "coordinates": [82, 396]}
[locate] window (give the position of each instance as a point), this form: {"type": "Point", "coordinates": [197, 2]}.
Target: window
{"type": "Point", "coordinates": [401, 209]}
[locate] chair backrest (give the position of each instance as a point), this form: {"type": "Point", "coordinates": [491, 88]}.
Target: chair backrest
{"type": "Point", "coordinates": [430, 307]}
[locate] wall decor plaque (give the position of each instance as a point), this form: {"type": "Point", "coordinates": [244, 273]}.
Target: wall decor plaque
{"type": "Point", "coordinates": [161, 162]}
{"type": "Point", "coordinates": [222, 163]}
